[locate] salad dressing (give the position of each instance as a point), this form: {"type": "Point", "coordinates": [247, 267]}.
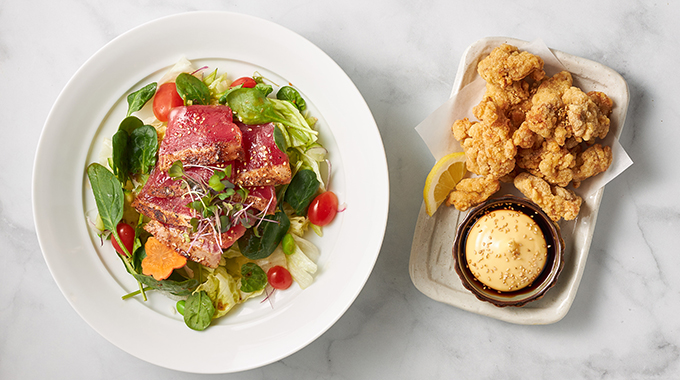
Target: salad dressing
{"type": "Point", "coordinates": [506, 250]}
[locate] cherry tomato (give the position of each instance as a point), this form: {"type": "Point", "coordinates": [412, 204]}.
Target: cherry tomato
{"type": "Point", "coordinates": [279, 277]}
{"type": "Point", "coordinates": [127, 237]}
{"type": "Point", "coordinates": [247, 82]}
{"type": "Point", "coordinates": [323, 208]}
{"type": "Point", "coordinates": [166, 98]}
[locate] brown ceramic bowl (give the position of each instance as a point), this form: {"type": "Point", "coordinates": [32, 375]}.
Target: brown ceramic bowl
{"type": "Point", "coordinates": [545, 280]}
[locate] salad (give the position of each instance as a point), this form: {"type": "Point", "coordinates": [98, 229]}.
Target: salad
{"type": "Point", "coordinates": [209, 199]}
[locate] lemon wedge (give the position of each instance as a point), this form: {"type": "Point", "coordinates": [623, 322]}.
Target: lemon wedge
{"type": "Point", "coordinates": [443, 177]}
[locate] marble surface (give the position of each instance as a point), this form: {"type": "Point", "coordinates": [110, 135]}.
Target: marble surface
{"type": "Point", "coordinates": [403, 56]}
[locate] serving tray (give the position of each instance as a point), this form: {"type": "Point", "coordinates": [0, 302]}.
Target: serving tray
{"type": "Point", "coordinates": [431, 264]}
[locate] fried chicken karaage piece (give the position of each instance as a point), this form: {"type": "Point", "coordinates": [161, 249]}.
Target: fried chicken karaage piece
{"type": "Point", "coordinates": [532, 131]}
{"type": "Point", "coordinates": [550, 161]}
{"type": "Point", "coordinates": [514, 101]}
{"type": "Point", "coordinates": [488, 148]}
{"type": "Point", "coordinates": [587, 115]}
{"type": "Point", "coordinates": [470, 192]}
{"type": "Point", "coordinates": [546, 116]}
{"type": "Point", "coordinates": [556, 201]}
{"type": "Point", "coordinates": [592, 161]}
{"type": "Point", "coordinates": [506, 64]}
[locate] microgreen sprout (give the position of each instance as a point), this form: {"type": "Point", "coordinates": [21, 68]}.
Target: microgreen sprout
{"type": "Point", "coordinates": [219, 203]}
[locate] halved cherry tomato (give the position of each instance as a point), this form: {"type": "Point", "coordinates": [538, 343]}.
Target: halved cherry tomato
{"type": "Point", "coordinates": [247, 82]}
{"type": "Point", "coordinates": [323, 208]}
{"type": "Point", "coordinates": [127, 237]}
{"type": "Point", "coordinates": [166, 98]}
{"type": "Point", "coordinates": [279, 277]}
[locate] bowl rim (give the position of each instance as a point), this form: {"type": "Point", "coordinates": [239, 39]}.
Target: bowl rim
{"type": "Point", "coordinates": [548, 276]}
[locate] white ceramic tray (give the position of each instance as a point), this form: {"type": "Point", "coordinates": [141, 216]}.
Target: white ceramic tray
{"type": "Point", "coordinates": [431, 263]}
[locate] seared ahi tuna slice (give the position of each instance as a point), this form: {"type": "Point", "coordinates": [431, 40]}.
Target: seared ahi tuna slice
{"type": "Point", "coordinates": [201, 135]}
{"type": "Point", "coordinates": [262, 198]}
{"type": "Point", "coordinates": [199, 247]}
{"type": "Point", "coordinates": [232, 234]}
{"type": "Point", "coordinates": [264, 163]}
{"type": "Point", "coordinates": [173, 210]}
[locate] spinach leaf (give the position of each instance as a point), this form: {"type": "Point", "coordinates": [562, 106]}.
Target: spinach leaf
{"type": "Point", "coordinates": [138, 99]}
{"type": "Point", "coordinates": [292, 95]}
{"type": "Point", "coordinates": [198, 311]}
{"type": "Point", "coordinates": [178, 286]}
{"type": "Point", "coordinates": [254, 245]}
{"type": "Point", "coordinates": [108, 194]}
{"type": "Point", "coordinates": [264, 88]}
{"type": "Point", "coordinates": [253, 278]}
{"type": "Point", "coordinates": [192, 89]}
{"type": "Point", "coordinates": [301, 190]}
{"type": "Point", "coordinates": [119, 158]}
{"type": "Point", "coordinates": [280, 139]}
{"type": "Point", "coordinates": [252, 106]}
{"type": "Point", "coordinates": [130, 123]}
{"type": "Point", "coordinates": [143, 148]}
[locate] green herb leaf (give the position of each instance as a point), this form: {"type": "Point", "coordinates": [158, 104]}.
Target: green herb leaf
{"type": "Point", "coordinates": [252, 106]}
{"type": "Point", "coordinates": [108, 195]}
{"type": "Point", "coordinates": [292, 95]}
{"type": "Point", "coordinates": [175, 284]}
{"type": "Point", "coordinates": [280, 139]}
{"type": "Point", "coordinates": [130, 123]}
{"type": "Point", "coordinates": [265, 89]}
{"type": "Point", "coordinates": [138, 99]}
{"type": "Point", "coordinates": [176, 171]}
{"type": "Point", "coordinates": [215, 181]}
{"type": "Point", "coordinates": [198, 311]}
{"type": "Point", "coordinates": [225, 223]}
{"type": "Point", "coordinates": [254, 245]}
{"type": "Point", "coordinates": [192, 90]}
{"type": "Point", "coordinates": [120, 154]}
{"type": "Point", "coordinates": [142, 152]}
{"type": "Point", "coordinates": [253, 278]}
{"type": "Point", "coordinates": [301, 190]}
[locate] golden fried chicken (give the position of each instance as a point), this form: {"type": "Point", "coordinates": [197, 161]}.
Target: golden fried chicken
{"type": "Point", "coordinates": [592, 161]}
{"type": "Point", "coordinates": [506, 64]}
{"type": "Point", "coordinates": [488, 147]}
{"type": "Point", "coordinates": [470, 192]}
{"type": "Point", "coordinates": [525, 138]}
{"type": "Point", "coordinates": [512, 101]}
{"type": "Point", "coordinates": [555, 201]}
{"type": "Point", "coordinates": [531, 131]}
{"type": "Point", "coordinates": [547, 109]}
{"type": "Point", "coordinates": [556, 163]}
{"type": "Point", "coordinates": [460, 129]}
{"type": "Point", "coordinates": [603, 101]}
{"type": "Point", "coordinates": [585, 115]}
{"type": "Point", "coordinates": [550, 161]}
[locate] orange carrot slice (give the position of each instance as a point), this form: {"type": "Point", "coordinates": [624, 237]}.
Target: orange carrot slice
{"type": "Point", "coordinates": [160, 259]}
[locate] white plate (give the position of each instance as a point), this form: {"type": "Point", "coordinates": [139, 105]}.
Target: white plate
{"type": "Point", "coordinates": [431, 262]}
{"type": "Point", "coordinates": [93, 280]}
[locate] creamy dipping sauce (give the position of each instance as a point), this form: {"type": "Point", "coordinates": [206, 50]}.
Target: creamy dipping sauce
{"type": "Point", "coordinates": [506, 250]}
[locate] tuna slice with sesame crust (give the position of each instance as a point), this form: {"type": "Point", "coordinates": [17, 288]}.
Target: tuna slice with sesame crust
{"type": "Point", "coordinates": [200, 135]}
{"type": "Point", "coordinates": [264, 164]}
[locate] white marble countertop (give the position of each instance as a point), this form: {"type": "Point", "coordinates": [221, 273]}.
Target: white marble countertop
{"type": "Point", "coordinates": [403, 58]}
